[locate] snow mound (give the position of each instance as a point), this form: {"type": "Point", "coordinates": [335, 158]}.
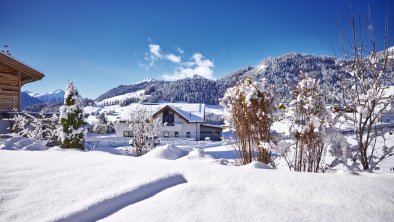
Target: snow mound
{"type": "Point", "coordinates": [168, 152]}
{"type": "Point", "coordinates": [343, 169]}
{"type": "Point", "coordinates": [39, 145]}
{"type": "Point", "coordinates": [22, 143]}
{"type": "Point", "coordinates": [257, 165]}
{"type": "Point", "coordinates": [197, 154]}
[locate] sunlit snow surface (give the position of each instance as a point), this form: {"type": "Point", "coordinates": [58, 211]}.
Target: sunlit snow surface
{"type": "Point", "coordinates": [180, 183]}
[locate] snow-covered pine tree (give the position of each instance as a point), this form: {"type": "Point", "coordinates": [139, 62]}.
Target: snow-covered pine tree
{"type": "Point", "coordinates": [71, 131]}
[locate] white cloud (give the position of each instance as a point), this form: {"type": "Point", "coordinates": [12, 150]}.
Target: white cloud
{"type": "Point", "coordinates": [173, 58]}
{"type": "Point", "coordinates": [155, 54]}
{"type": "Point", "coordinates": [180, 50]}
{"type": "Point", "coordinates": [197, 64]}
{"type": "Point", "coordinates": [155, 50]}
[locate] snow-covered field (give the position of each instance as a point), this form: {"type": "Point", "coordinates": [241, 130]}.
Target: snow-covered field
{"type": "Point", "coordinates": [177, 183]}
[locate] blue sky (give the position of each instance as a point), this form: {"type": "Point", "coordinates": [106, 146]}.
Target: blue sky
{"type": "Point", "coordinates": [102, 44]}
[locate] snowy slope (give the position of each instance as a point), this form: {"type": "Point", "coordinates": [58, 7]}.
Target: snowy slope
{"type": "Point", "coordinates": [146, 80]}
{"type": "Point", "coordinates": [138, 95]}
{"type": "Point", "coordinates": [87, 186]}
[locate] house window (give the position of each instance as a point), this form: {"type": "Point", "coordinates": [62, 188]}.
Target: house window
{"type": "Point", "coordinates": [176, 134]}
{"type": "Point", "coordinates": [127, 134]}
{"type": "Point", "coordinates": [168, 117]}
{"type": "Point", "coordinates": [188, 134]}
{"type": "Point", "coordinates": [166, 134]}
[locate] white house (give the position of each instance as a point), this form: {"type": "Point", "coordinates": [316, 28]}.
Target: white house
{"type": "Point", "coordinates": [183, 120]}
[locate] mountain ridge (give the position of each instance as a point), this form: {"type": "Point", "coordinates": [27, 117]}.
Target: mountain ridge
{"type": "Point", "coordinates": [283, 69]}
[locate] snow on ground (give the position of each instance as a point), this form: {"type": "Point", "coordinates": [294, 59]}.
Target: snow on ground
{"type": "Point", "coordinates": [180, 184]}
{"type": "Point", "coordinates": [22, 143]}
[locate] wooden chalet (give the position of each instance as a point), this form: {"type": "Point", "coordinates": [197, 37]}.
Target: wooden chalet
{"type": "Point", "coordinates": [13, 75]}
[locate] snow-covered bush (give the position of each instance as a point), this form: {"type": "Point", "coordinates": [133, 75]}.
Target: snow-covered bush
{"type": "Point", "coordinates": [310, 120]}
{"type": "Point", "coordinates": [100, 128]}
{"type": "Point", "coordinates": [251, 108]}
{"type": "Point", "coordinates": [102, 118]}
{"type": "Point", "coordinates": [72, 132]}
{"type": "Point", "coordinates": [36, 128]}
{"type": "Point", "coordinates": [145, 130]}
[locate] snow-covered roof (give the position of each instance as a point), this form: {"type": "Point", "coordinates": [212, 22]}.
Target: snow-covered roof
{"type": "Point", "coordinates": [191, 112]}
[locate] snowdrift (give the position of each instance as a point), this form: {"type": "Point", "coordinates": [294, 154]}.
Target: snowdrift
{"type": "Point", "coordinates": [88, 186]}
{"type": "Point", "coordinates": [198, 154]}
{"type": "Point", "coordinates": [168, 152]}
{"type": "Point", "coordinates": [22, 143]}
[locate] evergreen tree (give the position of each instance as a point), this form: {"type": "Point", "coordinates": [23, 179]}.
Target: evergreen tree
{"type": "Point", "coordinates": [71, 119]}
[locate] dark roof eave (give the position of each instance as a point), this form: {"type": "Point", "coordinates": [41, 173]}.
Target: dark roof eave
{"type": "Point", "coordinates": [31, 73]}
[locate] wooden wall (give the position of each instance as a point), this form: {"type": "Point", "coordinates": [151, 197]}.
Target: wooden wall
{"type": "Point", "coordinates": [10, 85]}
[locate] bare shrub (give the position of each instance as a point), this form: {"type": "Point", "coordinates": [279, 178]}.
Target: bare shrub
{"type": "Point", "coordinates": [310, 121]}
{"type": "Point", "coordinates": [251, 109]}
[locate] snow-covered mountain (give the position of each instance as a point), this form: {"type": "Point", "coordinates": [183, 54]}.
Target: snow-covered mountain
{"type": "Point", "coordinates": [56, 96]}
{"type": "Point", "coordinates": [28, 100]}
{"type": "Point", "coordinates": [198, 89]}
{"type": "Point", "coordinates": [147, 85]}
{"type": "Point", "coordinates": [32, 94]}
{"type": "Point", "coordinates": [196, 76]}
{"type": "Point", "coordinates": [34, 101]}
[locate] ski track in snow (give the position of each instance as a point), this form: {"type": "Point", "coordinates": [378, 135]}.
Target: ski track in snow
{"type": "Point", "coordinates": [112, 205]}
